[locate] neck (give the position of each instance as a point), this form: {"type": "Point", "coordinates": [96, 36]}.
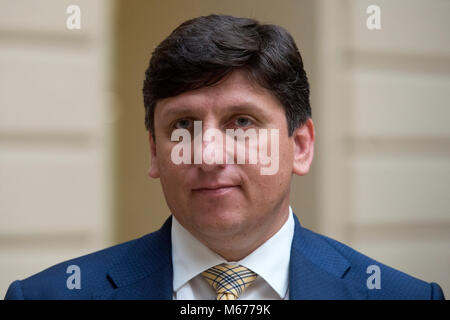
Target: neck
{"type": "Point", "coordinates": [240, 245]}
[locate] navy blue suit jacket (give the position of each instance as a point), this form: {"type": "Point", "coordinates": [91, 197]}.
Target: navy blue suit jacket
{"type": "Point", "coordinates": [320, 268]}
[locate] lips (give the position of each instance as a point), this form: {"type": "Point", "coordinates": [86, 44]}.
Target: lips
{"type": "Point", "coordinates": [215, 189]}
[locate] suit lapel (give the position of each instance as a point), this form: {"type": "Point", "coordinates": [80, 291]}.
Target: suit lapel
{"type": "Point", "coordinates": [146, 270]}
{"type": "Point", "coordinates": [317, 270]}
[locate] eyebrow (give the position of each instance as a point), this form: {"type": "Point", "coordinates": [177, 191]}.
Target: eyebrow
{"type": "Point", "coordinates": [174, 112]}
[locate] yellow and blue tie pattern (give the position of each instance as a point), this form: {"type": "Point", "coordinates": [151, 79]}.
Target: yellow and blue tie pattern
{"type": "Point", "coordinates": [229, 281]}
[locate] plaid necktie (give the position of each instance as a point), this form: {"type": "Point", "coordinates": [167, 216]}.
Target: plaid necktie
{"type": "Point", "coordinates": [229, 281]}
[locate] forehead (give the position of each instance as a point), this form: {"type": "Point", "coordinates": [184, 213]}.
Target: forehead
{"type": "Point", "coordinates": [235, 90]}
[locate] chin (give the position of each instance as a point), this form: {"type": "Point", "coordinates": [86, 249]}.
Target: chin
{"type": "Point", "coordinates": [219, 221]}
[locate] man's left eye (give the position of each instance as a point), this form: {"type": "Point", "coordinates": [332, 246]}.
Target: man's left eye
{"type": "Point", "coordinates": [183, 124]}
{"type": "Point", "coordinates": [243, 122]}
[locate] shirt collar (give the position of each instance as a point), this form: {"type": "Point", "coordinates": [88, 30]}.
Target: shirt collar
{"type": "Point", "coordinates": [190, 257]}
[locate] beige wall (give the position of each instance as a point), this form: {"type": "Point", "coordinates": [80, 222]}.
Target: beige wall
{"type": "Point", "coordinates": [55, 123]}
{"type": "Point", "coordinates": [384, 162]}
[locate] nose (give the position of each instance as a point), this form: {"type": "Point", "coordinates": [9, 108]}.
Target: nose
{"type": "Point", "coordinates": [209, 149]}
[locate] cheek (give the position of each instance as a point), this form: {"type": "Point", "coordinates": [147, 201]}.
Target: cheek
{"type": "Point", "coordinates": [174, 186]}
{"type": "Point", "coordinates": [266, 187]}
{"type": "Point", "coordinates": [269, 187]}
{"type": "Point", "coordinates": [171, 175]}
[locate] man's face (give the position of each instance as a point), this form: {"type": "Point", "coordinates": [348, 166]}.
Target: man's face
{"type": "Point", "coordinates": [224, 201]}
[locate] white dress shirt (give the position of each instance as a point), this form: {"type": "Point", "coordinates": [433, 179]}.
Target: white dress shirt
{"type": "Point", "coordinates": [270, 261]}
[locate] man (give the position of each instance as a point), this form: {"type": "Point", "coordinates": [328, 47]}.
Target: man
{"type": "Point", "coordinates": [230, 87]}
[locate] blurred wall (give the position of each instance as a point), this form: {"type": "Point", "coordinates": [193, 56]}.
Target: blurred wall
{"type": "Point", "coordinates": [55, 128]}
{"type": "Point", "coordinates": [383, 156]}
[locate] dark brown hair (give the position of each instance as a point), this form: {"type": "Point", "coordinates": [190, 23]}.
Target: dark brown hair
{"type": "Point", "coordinates": [202, 51]}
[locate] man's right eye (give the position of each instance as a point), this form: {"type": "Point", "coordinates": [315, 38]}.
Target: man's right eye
{"type": "Point", "coordinates": [183, 124]}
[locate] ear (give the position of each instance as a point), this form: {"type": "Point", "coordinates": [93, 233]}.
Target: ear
{"type": "Point", "coordinates": [303, 139]}
{"type": "Point", "coordinates": [153, 171]}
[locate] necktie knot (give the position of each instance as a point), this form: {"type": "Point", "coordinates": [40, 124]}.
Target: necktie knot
{"type": "Point", "coordinates": [229, 281]}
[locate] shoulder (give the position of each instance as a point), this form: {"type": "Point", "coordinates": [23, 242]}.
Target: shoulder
{"type": "Point", "coordinates": [377, 279]}
{"type": "Point", "coordinates": [86, 276]}
{"type": "Point", "coordinates": [93, 271]}
{"type": "Point", "coordinates": [56, 281]}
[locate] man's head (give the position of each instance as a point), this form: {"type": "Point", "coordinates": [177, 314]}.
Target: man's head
{"type": "Point", "coordinates": [202, 51]}
{"type": "Point", "coordinates": [229, 73]}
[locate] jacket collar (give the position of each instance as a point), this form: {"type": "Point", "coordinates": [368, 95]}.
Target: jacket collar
{"type": "Point", "coordinates": [316, 269]}
{"type": "Point", "coordinates": [145, 272]}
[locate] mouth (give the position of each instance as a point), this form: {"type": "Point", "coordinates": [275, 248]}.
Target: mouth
{"type": "Point", "coordinates": [215, 190]}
